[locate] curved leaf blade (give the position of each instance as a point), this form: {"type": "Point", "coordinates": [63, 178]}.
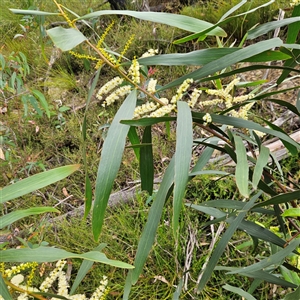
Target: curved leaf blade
{"type": "Point", "coordinates": [274, 259]}
{"type": "Point", "coordinates": [227, 60]}
{"type": "Point", "coordinates": [281, 198]}
{"type": "Point", "coordinates": [238, 291]}
{"type": "Point", "coordinates": [265, 28]}
{"type": "Point", "coordinates": [83, 270]}
{"type": "Point", "coordinates": [260, 164]}
{"type": "Point", "coordinates": [35, 182]}
{"type": "Point", "coordinates": [110, 162]}
{"type": "Point", "coordinates": [179, 21]}
{"type": "Point", "coordinates": [49, 254]}
{"type": "Point", "coordinates": [224, 241]}
{"type": "Point", "coordinates": [14, 216]}
{"type": "Point", "coordinates": [205, 56]}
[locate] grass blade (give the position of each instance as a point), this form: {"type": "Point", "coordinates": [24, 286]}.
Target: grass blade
{"type": "Point", "coordinates": [260, 164]}
{"type": "Point", "coordinates": [110, 162]}
{"type": "Point", "coordinates": [183, 155]}
{"type": "Point", "coordinates": [35, 182]}
{"type": "Point", "coordinates": [146, 162]}
{"type": "Point", "coordinates": [242, 167]}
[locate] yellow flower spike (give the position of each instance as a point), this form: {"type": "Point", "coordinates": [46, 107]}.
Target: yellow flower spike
{"type": "Point", "coordinates": [2, 268]}
{"type": "Point", "coordinates": [107, 56]}
{"type": "Point", "coordinates": [31, 274]}
{"type": "Point", "coordinates": [81, 56]}
{"type": "Point", "coordinates": [99, 64]}
{"type": "Point", "coordinates": [127, 45]}
{"type": "Point", "coordinates": [103, 36]}
{"type": "Point", "coordinates": [134, 71]}
{"type": "Point", "coordinates": [70, 23]}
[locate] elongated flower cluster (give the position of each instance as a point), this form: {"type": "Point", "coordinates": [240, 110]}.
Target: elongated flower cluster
{"type": "Point", "coordinates": [58, 274]}
{"type": "Point", "coordinates": [224, 96]}
{"type": "Point", "coordinates": [134, 71]}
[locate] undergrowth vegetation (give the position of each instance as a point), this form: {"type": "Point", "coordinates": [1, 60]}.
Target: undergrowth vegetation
{"type": "Point", "coordinates": [191, 198]}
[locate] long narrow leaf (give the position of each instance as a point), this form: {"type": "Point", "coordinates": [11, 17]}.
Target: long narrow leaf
{"type": "Point", "coordinates": [134, 140]}
{"type": "Point", "coordinates": [49, 254]}
{"type": "Point", "coordinates": [183, 155]}
{"type": "Point", "coordinates": [265, 28]}
{"type": "Point", "coordinates": [4, 290]}
{"type": "Point", "coordinates": [227, 60]}
{"type": "Point", "coordinates": [86, 265]}
{"type": "Point", "coordinates": [14, 216]}
{"type": "Point", "coordinates": [282, 198]}
{"type": "Point", "coordinates": [242, 167]}
{"type": "Point", "coordinates": [35, 182]}
{"type": "Point", "coordinates": [179, 21]}
{"type": "Point", "coordinates": [147, 238]}
{"type": "Point", "coordinates": [33, 12]}
{"type": "Point", "coordinates": [238, 291]}
{"type": "Point", "coordinates": [146, 162]}
{"type": "Point", "coordinates": [260, 164]}
{"type": "Point", "coordinates": [224, 241]}
{"type": "Point", "coordinates": [239, 123]}
{"type": "Point", "coordinates": [110, 162]}
{"type": "Point", "coordinates": [265, 276]}
{"type": "Point", "coordinates": [275, 259]}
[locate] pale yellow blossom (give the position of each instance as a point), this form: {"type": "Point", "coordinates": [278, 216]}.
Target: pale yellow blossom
{"type": "Point", "coordinates": [134, 71]}
{"type": "Point", "coordinates": [150, 52]}
{"type": "Point", "coordinates": [151, 85]}
{"type": "Point", "coordinates": [144, 109]}
{"type": "Point", "coordinates": [181, 90]}
{"type": "Point", "coordinates": [294, 3]}
{"type": "Point", "coordinates": [160, 112]}
{"type": "Point", "coordinates": [207, 119]}
{"type": "Point", "coordinates": [194, 97]}
{"type": "Point", "coordinates": [109, 86]}
{"type": "Point", "coordinates": [117, 94]}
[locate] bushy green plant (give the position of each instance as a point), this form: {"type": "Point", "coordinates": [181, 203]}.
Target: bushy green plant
{"type": "Point", "coordinates": [148, 103]}
{"type": "Point", "coordinates": [13, 73]}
